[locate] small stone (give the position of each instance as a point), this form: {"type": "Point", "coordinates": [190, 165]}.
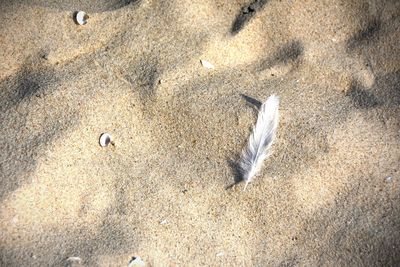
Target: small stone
{"type": "Point", "coordinates": [74, 261]}
{"type": "Point", "coordinates": [14, 220]}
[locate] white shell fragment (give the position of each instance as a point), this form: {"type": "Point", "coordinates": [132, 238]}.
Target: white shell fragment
{"type": "Point", "coordinates": [136, 261]}
{"type": "Point", "coordinates": [81, 17]}
{"type": "Point", "coordinates": [74, 260]}
{"type": "Point", "coordinates": [105, 139]}
{"type": "Point", "coordinates": [206, 64]}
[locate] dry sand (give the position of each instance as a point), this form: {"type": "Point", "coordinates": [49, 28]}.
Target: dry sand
{"type": "Point", "coordinates": [328, 196]}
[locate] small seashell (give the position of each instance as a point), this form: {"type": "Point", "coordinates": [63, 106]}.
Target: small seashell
{"type": "Point", "coordinates": [81, 17]}
{"type": "Point", "coordinates": [136, 261]}
{"type": "Point", "coordinates": [164, 221]}
{"type": "Point", "coordinates": [220, 254]}
{"type": "Point", "coordinates": [206, 64]}
{"type": "Point", "coordinates": [105, 139]}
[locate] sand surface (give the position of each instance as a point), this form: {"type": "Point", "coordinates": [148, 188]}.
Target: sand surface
{"type": "Point", "coordinates": [328, 196]}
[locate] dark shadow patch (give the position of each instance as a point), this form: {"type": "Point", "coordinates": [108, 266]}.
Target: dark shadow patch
{"type": "Point", "coordinates": [246, 13]}
{"type": "Point", "coordinates": [87, 6]}
{"type": "Point", "coordinates": [27, 88]}
{"type": "Point", "coordinates": [360, 97]}
{"type": "Point", "coordinates": [367, 234]}
{"type": "Point", "coordinates": [289, 52]}
{"type": "Point", "coordinates": [236, 172]}
{"type": "Point", "coordinates": [121, 195]}
{"type": "Point", "coordinates": [286, 54]}
{"type": "Point", "coordinates": [144, 76]}
{"type": "Point", "coordinates": [292, 261]}
{"type": "Point", "coordinates": [364, 235]}
{"type": "Point", "coordinates": [388, 87]}
{"type": "Point", "coordinates": [364, 36]}
{"type": "Point", "coordinates": [254, 103]}
{"type": "Point", "coordinates": [22, 152]}
{"type": "Point", "coordinates": [148, 80]}
{"type": "Point", "coordinates": [20, 145]}
{"type": "Point", "coordinates": [27, 83]}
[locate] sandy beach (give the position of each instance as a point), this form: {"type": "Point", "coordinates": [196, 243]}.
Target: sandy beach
{"type": "Point", "coordinates": [329, 195]}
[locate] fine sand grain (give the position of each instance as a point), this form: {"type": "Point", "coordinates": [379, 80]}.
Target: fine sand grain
{"type": "Point", "coordinates": [328, 196]}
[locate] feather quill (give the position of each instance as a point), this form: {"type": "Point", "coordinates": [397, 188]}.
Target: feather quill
{"type": "Point", "coordinates": [260, 140]}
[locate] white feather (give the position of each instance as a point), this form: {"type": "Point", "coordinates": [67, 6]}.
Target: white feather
{"type": "Point", "coordinates": [261, 139]}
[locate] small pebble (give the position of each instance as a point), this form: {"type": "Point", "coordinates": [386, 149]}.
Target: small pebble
{"type": "Point", "coordinates": [220, 254]}
{"type": "Point", "coordinates": [388, 178]}
{"type": "Point", "coordinates": [14, 220]}
{"type": "Point", "coordinates": [74, 260]}
{"type": "Point", "coordinates": [81, 17]}
{"type": "Point", "coordinates": [163, 221]}
{"type": "Point", "coordinates": [105, 139]}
